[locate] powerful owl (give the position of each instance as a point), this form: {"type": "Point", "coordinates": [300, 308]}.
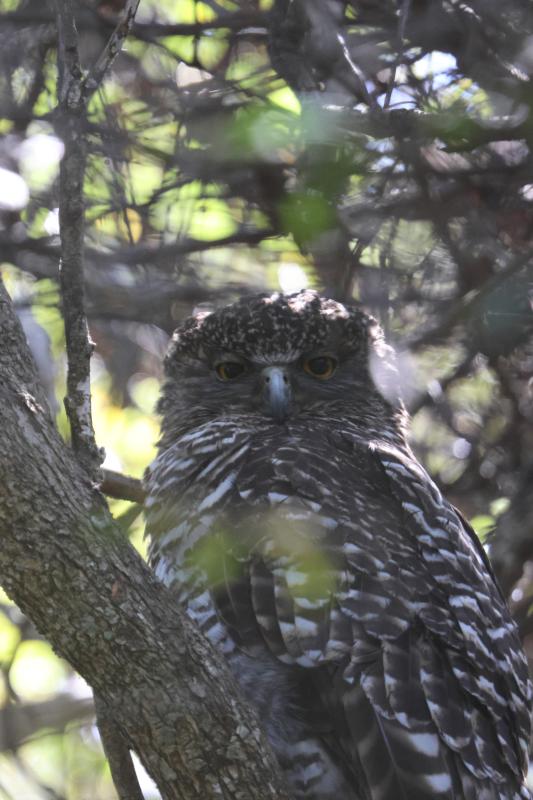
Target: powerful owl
{"type": "Point", "coordinates": [354, 604]}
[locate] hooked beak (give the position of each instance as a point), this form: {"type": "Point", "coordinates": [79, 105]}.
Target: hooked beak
{"type": "Point", "coordinates": [277, 392]}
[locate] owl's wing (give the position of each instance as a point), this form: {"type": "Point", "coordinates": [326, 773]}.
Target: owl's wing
{"type": "Point", "coordinates": [467, 659]}
{"type": "Point", "coordinates": [365, 573]}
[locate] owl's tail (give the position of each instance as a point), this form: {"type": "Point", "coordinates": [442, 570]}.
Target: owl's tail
{"type": "Point", "coordinates": [402, 763]}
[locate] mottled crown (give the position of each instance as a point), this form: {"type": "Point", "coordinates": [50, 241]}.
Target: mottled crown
{"type": "Point", "coordinates": [273, 325]}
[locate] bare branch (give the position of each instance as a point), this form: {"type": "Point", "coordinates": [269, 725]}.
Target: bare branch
{"type": "Point", "coordinates": [117, 754]}
{"type": "Point", "coordinates": [71, 218]}
{"type": "Point", "coordinates": [22, 721]}
{"type": "Point", "coordinates": [68, 59]}
{"type": "Point", "coordinates": [122, 487]}
{"type": "Point", "coordinates": [249, 23]}
{"type": "Point", "coordinates": [402, 22]}
{"type": "Point", "coordinates": [112, 48]}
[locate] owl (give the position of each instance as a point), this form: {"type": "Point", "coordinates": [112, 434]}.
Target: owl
{"type": "Point", "coordinates": [354, 604]}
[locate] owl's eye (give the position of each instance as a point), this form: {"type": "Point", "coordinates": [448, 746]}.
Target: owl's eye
{"type": "Point", "coordinates": [321, 367]}
{"type": "Point", "coordinates": [228, 370]}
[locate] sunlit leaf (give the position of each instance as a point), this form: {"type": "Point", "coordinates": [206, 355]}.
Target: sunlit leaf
{"type": "Point", "coordinates": [483, 524]}
{"type": "Point", "coordinates": [285, 98]}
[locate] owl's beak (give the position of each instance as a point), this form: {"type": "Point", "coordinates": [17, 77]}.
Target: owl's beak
{"type": "Point", "coordinates": [277, 392]}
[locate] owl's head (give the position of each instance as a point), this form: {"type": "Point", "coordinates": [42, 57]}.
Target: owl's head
{"type": "Point", "coordinates": [279, 357]}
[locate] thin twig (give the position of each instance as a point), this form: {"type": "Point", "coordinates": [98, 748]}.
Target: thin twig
{"type": "Point", "coordinates": [254, 22]}
{"type": "Point", "coordinates": [71, 220]}
{"type": "Point", "coordinates": [404, 14]}
{"type": "Point", "coordinates": [112, 48]}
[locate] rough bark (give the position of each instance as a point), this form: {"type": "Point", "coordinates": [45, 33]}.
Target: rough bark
{"type": "Point", "coordinates": [68, 567]}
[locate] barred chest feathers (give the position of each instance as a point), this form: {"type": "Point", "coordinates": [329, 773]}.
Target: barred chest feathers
{"type": "Point", "coordinates": [238, 490]}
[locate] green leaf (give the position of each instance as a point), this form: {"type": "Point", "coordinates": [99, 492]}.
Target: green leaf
{"type": "Point", "coordinates": [483, 524]}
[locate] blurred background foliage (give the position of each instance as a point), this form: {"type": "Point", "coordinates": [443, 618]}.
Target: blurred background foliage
{"type": "Point", "coordinates": [376, 151]}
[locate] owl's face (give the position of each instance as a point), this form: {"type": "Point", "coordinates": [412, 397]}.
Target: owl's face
{"type": "Point", "coordinates": [276, 358]}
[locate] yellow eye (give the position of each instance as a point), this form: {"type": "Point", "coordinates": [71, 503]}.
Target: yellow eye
{"type": "Point", "coordinates": [321, 367]}
{"type": "Point", "coordinates": [228, 370]}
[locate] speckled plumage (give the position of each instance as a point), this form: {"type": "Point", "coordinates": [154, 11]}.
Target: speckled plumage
{"type": "Point", "coordinates": [354, 604]}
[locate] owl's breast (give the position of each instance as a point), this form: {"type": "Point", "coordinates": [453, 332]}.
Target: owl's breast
{"type": "Point", "coordinates": [224, 495]}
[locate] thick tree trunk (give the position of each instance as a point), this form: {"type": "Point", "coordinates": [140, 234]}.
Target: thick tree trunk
{"type": "Point", "coordinates": [69, 568]}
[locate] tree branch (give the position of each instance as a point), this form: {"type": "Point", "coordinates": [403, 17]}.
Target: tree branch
{"type": "Point", "coordinates": [122, 487]}
{"type": "Point", "coordinates": [71, 220]}
{"type": "Point", "coordinates": [22, 721]}
{"type": "Point", "coordinates": [71, 570]}
{"type": "Point", "coordinates": [112, 48]}
{"type": "Point", "coordinates": [117, 754]}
